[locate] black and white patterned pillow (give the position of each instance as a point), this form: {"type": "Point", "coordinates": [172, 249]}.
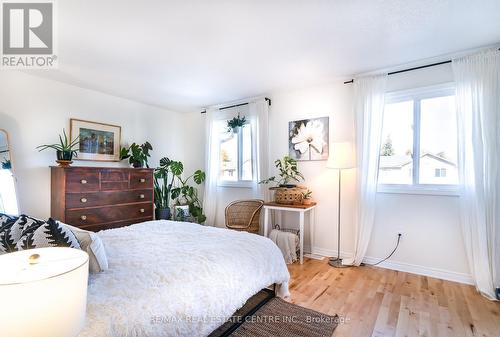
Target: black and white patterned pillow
{"type": "Point", "coordinates": [50, 234]}
{"type": "Point", "coordinates": [6, 221]}
{"type": "Point", "coordinates": [23, 226]}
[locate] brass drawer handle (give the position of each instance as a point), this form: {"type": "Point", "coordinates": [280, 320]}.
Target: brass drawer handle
{"type": "Point", "coordinates": [142, 210]}
{"type": "Point", "coordinates": [83, 217]}
{"type": "Point", "coordinates": [142, 180]}
{"type": "Point", "coordinates": [84, 200]}
{"type": "Point", "coordinates": [141, 196]}
{"type": "Point", "coordinates": [83, 181]}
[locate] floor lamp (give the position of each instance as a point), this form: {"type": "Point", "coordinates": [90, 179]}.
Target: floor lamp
{"type": "Point", "coordinates": [341, 158]}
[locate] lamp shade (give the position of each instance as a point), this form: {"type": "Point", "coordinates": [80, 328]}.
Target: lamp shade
{"type": "Point", "coordinates": [43, 292]}
{"type": "Point", "coordinates": [341, 156]}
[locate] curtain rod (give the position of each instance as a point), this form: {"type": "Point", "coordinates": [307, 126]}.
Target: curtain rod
{"type": "Point", "coordinates": [411, 69]}
{"type": "Point", "coordinates": [236, 105]}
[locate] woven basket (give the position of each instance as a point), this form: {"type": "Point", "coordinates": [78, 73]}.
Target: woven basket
{"type": "Point", "coordinates": [288, 195]}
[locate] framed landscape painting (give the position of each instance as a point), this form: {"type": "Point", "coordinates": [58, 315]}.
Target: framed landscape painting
{"type": "Point", "coordinates": [308, 139]}
{"type": "Point", "coordinates": [97, 141]}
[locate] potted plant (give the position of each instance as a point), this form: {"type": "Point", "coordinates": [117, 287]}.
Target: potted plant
{"type": "Point", "coordinates": [307, 197]}
{"type": "Point", "coordinates": [235, 124]}
{"type": "Point", "coordinates": [171, 188]}
{"type": "Point", "coordinates": [137, 155]}
{"type": "Point", "coordinates": [6, 164]}
{"type": "Point", "coordinates": [184, 194]}
{"type": "Point", "coordinates": [288, 173]}
{"type": "Point", "coordinates": [164, 176]}
{"type": "Point", "coordinates": [65, 149]}
{"type": "Point", "coordinates": [286, 191]}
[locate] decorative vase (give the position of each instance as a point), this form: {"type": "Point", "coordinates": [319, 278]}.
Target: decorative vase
{"type": "Point", "coordinates": [162, 213]}
{"type": "Point", "coordinates": [137, 164]}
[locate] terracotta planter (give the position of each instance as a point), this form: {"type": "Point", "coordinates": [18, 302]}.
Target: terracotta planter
{"type": "Point", "coordinates": [307, 202]}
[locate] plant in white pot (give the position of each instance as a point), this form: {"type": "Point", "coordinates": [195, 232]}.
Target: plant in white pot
{"type": "Point", "coordinates": [286, 191]}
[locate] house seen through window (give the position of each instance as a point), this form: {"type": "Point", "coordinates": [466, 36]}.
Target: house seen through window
{"type": "Point", "coordinates": [419, 139]}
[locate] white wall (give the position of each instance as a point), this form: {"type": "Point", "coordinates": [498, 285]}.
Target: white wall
{"type": "Point", "coordinates": [334, 101]}
{"type": "Point", "coordinates": [35, 110]}
{"type": "Point", "coordinates": [432, 241]}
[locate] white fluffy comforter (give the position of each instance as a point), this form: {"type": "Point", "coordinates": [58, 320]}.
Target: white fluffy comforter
{"type": "Point", "coordinates": [177, 279]}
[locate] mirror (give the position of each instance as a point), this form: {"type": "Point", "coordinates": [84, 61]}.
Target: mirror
{"type": "Point", "coordinates": [8, 198]}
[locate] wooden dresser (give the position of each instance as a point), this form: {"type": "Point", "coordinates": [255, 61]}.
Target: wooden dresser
{"type": "Point", "coordinates": [96, 198]}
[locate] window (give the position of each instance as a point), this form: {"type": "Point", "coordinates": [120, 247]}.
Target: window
{"type": "Point", "coordinates": [421, 122]}
{"type": "Point", "coordinates": [440, 173]}
{"type": "Point", "coordinates": [236, 162]}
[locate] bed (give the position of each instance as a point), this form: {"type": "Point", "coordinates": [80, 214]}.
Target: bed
{"type": "Point", "coordinates": [170, 278]}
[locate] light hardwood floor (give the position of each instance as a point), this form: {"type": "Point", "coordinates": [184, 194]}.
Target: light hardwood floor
{"type": "Point", "coordinates": [381, 302]}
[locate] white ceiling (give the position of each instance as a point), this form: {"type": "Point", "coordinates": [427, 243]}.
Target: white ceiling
{"type": "Point", "coordinates": [184, 55]}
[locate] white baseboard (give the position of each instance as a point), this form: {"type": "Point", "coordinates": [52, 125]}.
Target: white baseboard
{"type": "Point", "coordinates": [401, 266]}
{"type": "Point", "coordinates": [421, 270]}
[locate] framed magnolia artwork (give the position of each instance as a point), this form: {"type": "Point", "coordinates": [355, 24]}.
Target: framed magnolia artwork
{"type": "Point", "coordinates": [308, 139]}
{"type": "Point", "coordinates": [97, 141]}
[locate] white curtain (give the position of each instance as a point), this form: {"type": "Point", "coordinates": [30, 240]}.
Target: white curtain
{"type": "Point", "coordinates": [211, 166]}
{"type": "Point", "coordinates": [478, 107]}
{"type": "Point", "coordinates": [259, 115]}
{"type": "Point", "coordinates": [369, 102]}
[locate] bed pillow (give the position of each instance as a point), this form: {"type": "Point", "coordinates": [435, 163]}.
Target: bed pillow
{"type": "Point", "coordinates": [6, 221]}
{"type": "Point", "coordinates": [12, 233]}
{"type": "Point", "coordinates": [48, 234]}
{"type": "Point", "coordinates": [91, 243]}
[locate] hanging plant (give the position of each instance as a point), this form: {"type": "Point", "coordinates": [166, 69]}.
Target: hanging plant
{"type": "Point", "coordinates": [235, 123]}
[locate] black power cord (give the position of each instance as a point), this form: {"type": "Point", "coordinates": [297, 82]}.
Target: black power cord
{"type": "Point", "coordinates": [391, 254]}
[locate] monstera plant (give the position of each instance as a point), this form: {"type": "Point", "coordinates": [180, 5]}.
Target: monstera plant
{"type": "Point", "coordinates": [184, 194]}
{"type": "Point", "coordinates": [164, 177]}
{"type": "Point", "coordinates": [172, 188]}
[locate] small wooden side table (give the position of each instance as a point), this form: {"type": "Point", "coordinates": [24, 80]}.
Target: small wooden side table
{"type": "Point", "coordinates": [301, 209]}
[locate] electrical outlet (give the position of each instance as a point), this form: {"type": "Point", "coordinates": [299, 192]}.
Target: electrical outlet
{"type": "Point", "coordinates": [400, 231]}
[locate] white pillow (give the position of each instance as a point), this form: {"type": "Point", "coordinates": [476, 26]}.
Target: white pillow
{"type": "Point", "coordinates": [92, 244]}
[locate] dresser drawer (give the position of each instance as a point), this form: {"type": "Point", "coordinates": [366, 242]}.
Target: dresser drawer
{"type": "Point", "coordinates": [82, 180]}
{"type": "Point", "coordinates": [98, 215]}
{"type": "Point", "coordinates": [114, 179]}
{"type": "Point", "coordinates": [141, 178]}
{"type": "Point", "coordinates": [83, 200]}
{"type": "Point", "coordinates": [109, 175]}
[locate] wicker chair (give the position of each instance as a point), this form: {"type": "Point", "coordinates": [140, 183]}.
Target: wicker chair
{"type": "Point", "coordinates": [244, 215]}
